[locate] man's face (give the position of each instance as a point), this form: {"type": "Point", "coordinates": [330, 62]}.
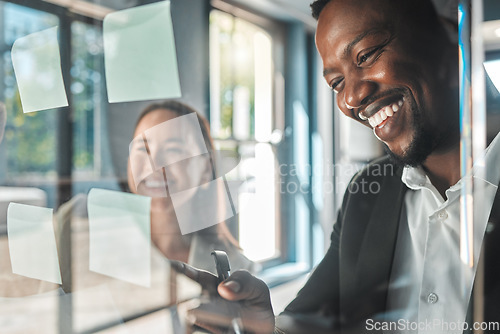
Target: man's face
{"type": "Point", "coordinates": [388, 75]}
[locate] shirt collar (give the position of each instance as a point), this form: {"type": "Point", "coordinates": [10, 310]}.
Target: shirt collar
{"type": "Point", "coordinates": [414, 177]}
{"type": "Point", "coordinates": [486, 168]}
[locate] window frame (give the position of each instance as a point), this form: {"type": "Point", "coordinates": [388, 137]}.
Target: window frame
{"type": "Point", "coordinates": [287, 265]}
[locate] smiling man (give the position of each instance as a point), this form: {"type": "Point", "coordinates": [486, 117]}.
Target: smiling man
{"type": "Point", "coordinates": [394, 69]}
{"type": "Point", "coordinates": [395, 256]}
{"type": "Point", "coordinates": [394, 260]}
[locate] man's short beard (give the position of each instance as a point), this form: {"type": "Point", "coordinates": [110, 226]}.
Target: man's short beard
{"type": "Point", "coordinates": [421, 146]}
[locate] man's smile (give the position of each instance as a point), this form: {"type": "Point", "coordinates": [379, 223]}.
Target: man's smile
{"type": "Point", "coordinates": [380, 117]}
{"type": "Point", "coordinates": [383, 113]}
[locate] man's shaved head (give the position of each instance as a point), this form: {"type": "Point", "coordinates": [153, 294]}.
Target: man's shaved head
{"type": "Point", "coordinates": [419, 13]}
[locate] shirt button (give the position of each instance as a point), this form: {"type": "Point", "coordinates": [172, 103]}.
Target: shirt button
{"type": "Point", "coordinates": [432, 298]}
{"type": "Point", "coordinates": [443, 215]}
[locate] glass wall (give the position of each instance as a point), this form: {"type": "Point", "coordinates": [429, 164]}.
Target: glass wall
{"type": "Point", "coordinates": [133, 137]}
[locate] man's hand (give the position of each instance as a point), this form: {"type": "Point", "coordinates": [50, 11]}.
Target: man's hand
{"type": "Point", "coordinates": [242, 301]}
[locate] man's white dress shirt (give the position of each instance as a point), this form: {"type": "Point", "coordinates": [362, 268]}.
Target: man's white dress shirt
{"type": "Point", "coordinates": [430, 285]}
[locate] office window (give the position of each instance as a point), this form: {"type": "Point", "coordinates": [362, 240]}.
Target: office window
{"type": "Point", "coordinates": [87, 88]}
{"type": "Point", "coordinates": [242, 119]}
{"type": "Point", "coordinates": [31, 138]}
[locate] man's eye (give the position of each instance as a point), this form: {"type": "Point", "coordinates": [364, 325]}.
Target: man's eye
{"type": "Point", "coordinates": [335, 83]}
{"type": "Point", "coordinates": [364, 57]}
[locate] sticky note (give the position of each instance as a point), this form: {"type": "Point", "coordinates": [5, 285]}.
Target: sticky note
{"type": "Point", "coordinates": [139, 54]}
{"type": "Point", "coordinates": [37, 67]}
{"type": "Point", "coordinates": [189, 173]}
{"type": "Point", "coordinates": [201, 207]}
{"type": "Point", "coordinates": [174, 140]}
{"type": "Point", "coordinates": [120, 235]}
{"type": "Point", "coordinates": [32, 242]}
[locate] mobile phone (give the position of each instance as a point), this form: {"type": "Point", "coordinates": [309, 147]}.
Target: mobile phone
{"type": "Point", "coordinates": [221, 264]}
{"type": "Point", "coordinates": [223, 272]}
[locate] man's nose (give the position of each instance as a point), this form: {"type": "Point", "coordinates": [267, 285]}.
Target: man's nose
{"type": "Point", "coordinates": [357, 92]}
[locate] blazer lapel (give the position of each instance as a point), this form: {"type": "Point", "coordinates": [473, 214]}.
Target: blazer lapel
{"type": "Point", "coordinates": [376, 247]}
{"type": "Point", "coordinates": [490, 286]}
{"type": "Point", "coordinates": [379, 241]}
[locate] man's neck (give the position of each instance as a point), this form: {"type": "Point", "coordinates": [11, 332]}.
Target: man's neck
{"type": "Point", "coordinates": [443, 169]}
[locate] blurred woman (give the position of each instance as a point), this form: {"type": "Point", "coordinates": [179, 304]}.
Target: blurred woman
{"type": "Point", "coordinates": [170, 163]}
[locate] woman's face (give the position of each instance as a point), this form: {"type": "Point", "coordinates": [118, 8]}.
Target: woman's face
{"type": "Point", "coordinates": [158, 157]}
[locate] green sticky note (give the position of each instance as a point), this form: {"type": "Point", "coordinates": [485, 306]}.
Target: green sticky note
{"type": "Point", "coordinates": [120, 235]}
{"type": "Point", "coordinates": [37, 66]}
{"type": "Point", "coordinates": [139, 54]}
{"type": "Point", "coordinates": [32, 242]}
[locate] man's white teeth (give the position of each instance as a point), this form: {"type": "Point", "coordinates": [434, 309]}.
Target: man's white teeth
{"type": "Point", "coordinates": [390, 111]}
{"type": "Point", "coordinates": [384, 113]}
{"type": "Point", "coordinates": [371, 121]}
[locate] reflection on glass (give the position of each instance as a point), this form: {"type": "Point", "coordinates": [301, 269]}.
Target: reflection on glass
{"type": "Point", "coordinates": [37, 66]}
{"type": "Point", "coordinates": [32, 243]}
{"type": "Point", "coordinates": [139, 54]}
{"type": "Point", "coordinates": [119, 234]}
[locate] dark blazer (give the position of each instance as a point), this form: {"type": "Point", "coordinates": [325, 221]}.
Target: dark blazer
{"type": "Point", "coordinates": [351, 283]}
